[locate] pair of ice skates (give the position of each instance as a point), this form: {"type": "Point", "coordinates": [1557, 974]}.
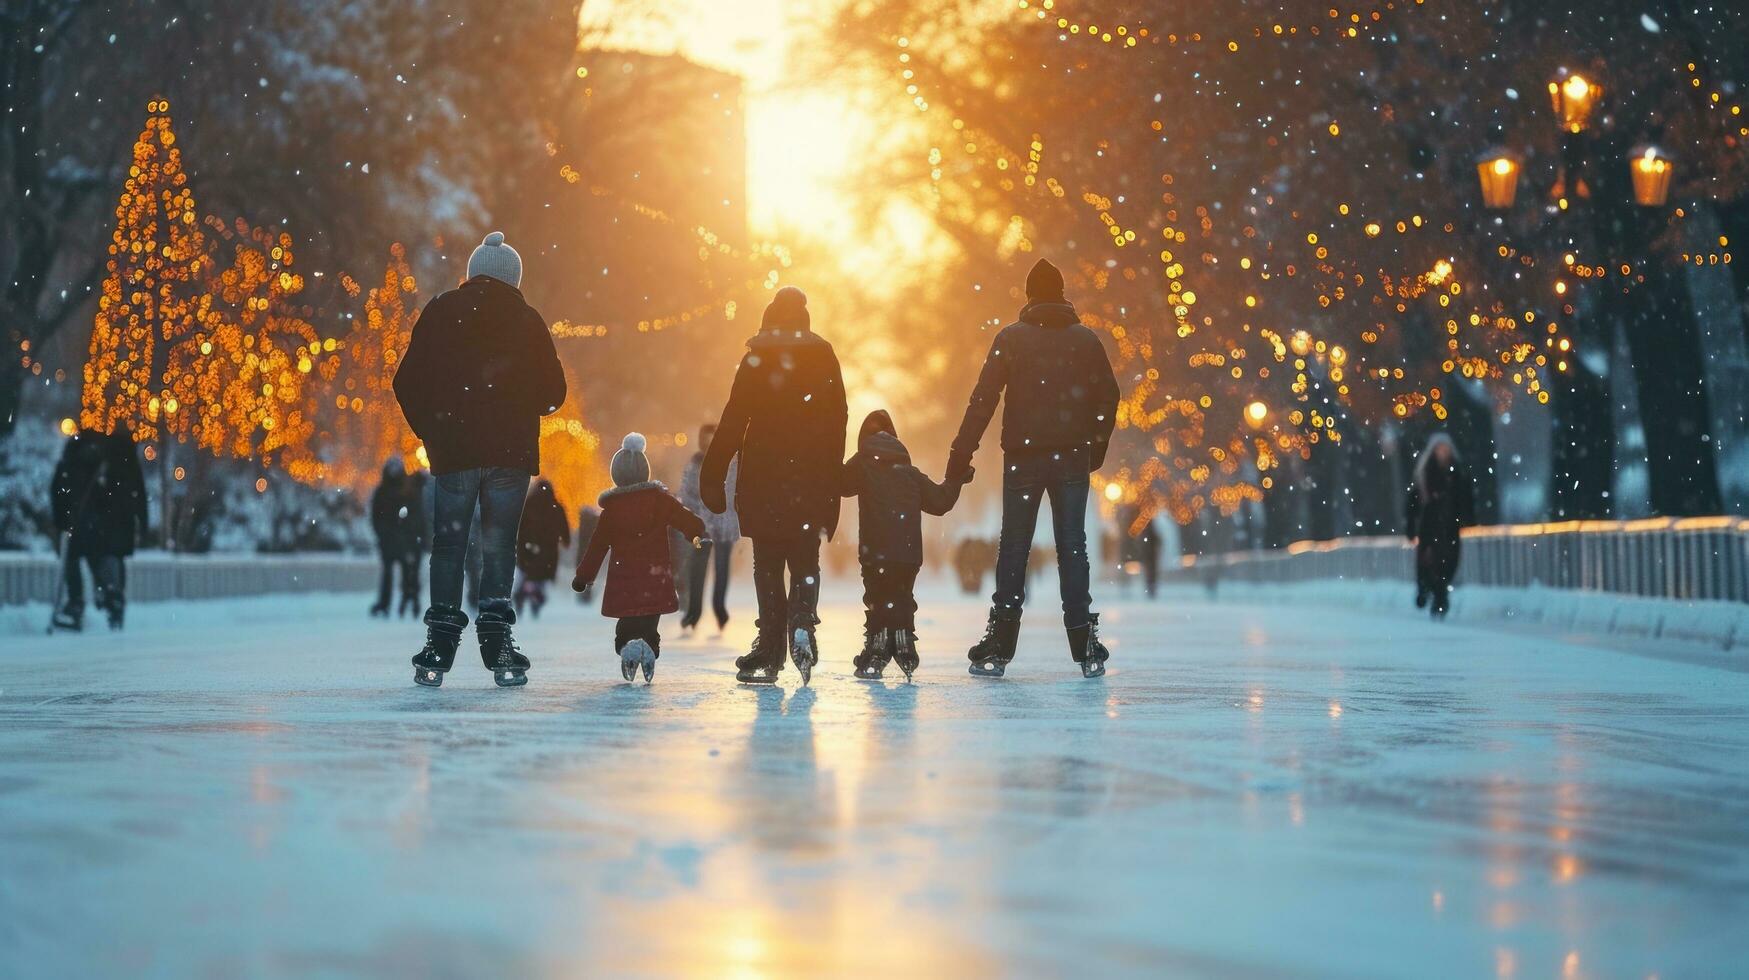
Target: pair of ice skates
{"type": "Point", "coordinates": [990, 656]}
{"type": "Point", "coordinates": [443, 636]}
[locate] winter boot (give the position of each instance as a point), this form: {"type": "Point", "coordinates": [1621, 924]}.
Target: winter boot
{"type": "Point", "coordinates": [877, 649]}
{"type": "Point", "coordinates": [498, 648]}
{"type": "Point", "coordinates": [380, 609]}
{"type": "Point", "coordinates": [634, 655]}
{"type": "Point", "coordinates": [763, 662]}
{"type": "Point", "coordinates": [116, 608]}
{"type": "Point", "coordinates": [991, 654]}
{"type": "Point", "coordinates": [905, 651]}
{"type": "Point", "coordinates": [1085, 648]}
{"type": "Point", "coordinates": [443, 634]}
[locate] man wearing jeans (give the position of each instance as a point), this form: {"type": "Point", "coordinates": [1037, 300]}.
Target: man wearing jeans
{"type": "Point", "coordinates": [478, 375]}
{"type": "Point", "coordinates": [1057, 418]}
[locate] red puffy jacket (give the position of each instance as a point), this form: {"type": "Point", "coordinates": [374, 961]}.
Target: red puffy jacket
{"type": "Point", "coordinates": [634, 526]}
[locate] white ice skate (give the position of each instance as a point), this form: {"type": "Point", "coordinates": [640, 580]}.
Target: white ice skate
{"type": "Point", "coordinates": [634, 656]}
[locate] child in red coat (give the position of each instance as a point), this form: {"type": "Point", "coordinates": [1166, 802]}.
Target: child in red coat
{"type": "Point", "coordinates": [635, 517]}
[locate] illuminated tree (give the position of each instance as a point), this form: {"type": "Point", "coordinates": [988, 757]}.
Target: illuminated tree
{"type": "Point", "coordinates": [246, 369]}
{"type": "Point", "coordinates": [366, 422]}
{"type": "Point", "coordinates": [152, 297]}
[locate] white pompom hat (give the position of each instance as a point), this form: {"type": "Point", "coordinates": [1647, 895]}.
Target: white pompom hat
{"type": "Point", "coordinates": [496, 259]}
{"type": "Point", "coordinates": [630, 465]}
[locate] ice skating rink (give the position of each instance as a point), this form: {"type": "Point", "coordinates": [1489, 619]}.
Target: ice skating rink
{"type": "Point", "coordinates": [256, 788]}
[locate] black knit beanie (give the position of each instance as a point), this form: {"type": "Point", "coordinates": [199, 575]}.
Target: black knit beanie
{"type": "Point", "coordinates": [788, 311]}
{"type": "Point", "coordinates": [1044, 283]}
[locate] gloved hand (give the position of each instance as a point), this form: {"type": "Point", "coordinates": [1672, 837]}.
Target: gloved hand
{"type": "Point", "coordinates": [966, 477]}
{"type": "Point", "coordinates": [579, 585]}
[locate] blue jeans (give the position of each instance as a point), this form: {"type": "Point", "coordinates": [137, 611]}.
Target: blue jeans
{"type": "Point", "coordinates": [1027, 480]}
{"type": "Point", "coordinates": [499, 494]}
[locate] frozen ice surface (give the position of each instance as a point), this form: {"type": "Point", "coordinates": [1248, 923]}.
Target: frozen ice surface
{"type": "Point", "coordinates": [256, 788]}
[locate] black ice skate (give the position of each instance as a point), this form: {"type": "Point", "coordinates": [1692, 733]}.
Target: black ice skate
{"type": "Point", "coordinates": [498, 648]}
{"type": "Point", "coordinates": [443, 634]}
{"type": "Point", "coordinates": [877, 649]}
{"type": "Point", "coordinates": [69, 618]}
{"type": "Point", "coordinates": [762, 663]}
{"type": "Point", "coordinates": [1085, 648]}
{"type": "Point", "coordinates": [991, 654]}
{"type": "Point", "coordinates": [116, 609]}
{"type": "Point", "coordinates": [635, 655]}
{"type": "Point", "coordinates": [905, 652]}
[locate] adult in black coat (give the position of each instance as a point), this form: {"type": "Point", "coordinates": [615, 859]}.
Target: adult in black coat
{"type": "Point", "coordinates": [99, 500]}
{"type": "Point", "coordinates": [478, 375]}
{"type": "Point", "coordinates": [399, 519]}
{"type": "Point", "coordinates": [1059, 405]}
{"type": "Point", "coordinates": [1439, 504]}
{"type": "Point", "coordinates": [785, 420]}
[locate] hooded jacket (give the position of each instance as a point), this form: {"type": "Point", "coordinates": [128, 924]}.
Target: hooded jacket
{"type": "Point", "coordinates": [895, 495]}
{"type": "Point", "coordinates": [478, 375]}
{"type": "Point", "coordinates": [785, 420]}
{"type": "Point", "coordinates": [634, 527]}
{"type": "Point", "coordinates": [1061, 392]}
{"type": "Point", "coordinates": [99, 493]}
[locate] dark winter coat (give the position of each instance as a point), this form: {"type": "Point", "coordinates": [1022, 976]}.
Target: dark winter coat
{"type": "Point", "coordinates": [894, 495]}
{"type": "Point", "coordinates": [544, 532]}
{"type": "Point", "coordinates": [634, 526]}
{"type": "Point", "coordinates": [785, 419]}
{"type": "Point", "coordinates": [99, 493]}
{"type": "Point", "coordinates": [1440, 503]}
{"type": "Point", "coordinates": [477, 377]}
{"type": "Point", "coordinates": [398, 516]}
{"type": "Point", "coordinates": [1061, 392]}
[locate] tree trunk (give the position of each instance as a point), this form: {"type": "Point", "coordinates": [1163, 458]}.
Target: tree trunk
{"type": "Point", "coordinates": [1582, 467]}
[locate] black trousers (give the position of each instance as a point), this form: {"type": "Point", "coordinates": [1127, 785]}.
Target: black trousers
{"type": "Point", "coordinates": [408, 565]}
{"type": "Point", "coordinates": [888, 596]}
{"type": "Point", "coordinates": [630, 628]}
{"type": "Point", "coordinates": [1026, 481]}
{"type": "Point", "coordinates": [795, 603]}
{"type": "Point", "coordinates": [109, 575]}
{"type": "Point", "coordinates": [696, 563]}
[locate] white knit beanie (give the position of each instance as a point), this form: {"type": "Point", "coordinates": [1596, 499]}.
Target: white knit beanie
{"type": "Point", "coordinates": [630, 465]}
{"type": "Point", "coordinates": [496, 259]}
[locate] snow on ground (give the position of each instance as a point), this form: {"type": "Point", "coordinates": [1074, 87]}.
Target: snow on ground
{"type": "Point", "coordinates": [255, 788]}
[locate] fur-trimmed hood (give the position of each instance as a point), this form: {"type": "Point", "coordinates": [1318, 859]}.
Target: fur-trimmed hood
{"type": "Point", "coordinates": [612, 492]}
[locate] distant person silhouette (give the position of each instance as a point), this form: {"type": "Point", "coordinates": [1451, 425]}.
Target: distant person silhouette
{"type": "Point", "coordinates": [785, 423]}
{"type": "Point", "coordinates": [721, 533]}
{"type": "Point", "coordinates": [478, 375]}
{"type": "Point", "coordinates": [543, 533]}
{"type": "Point", "coordinates": [398, 518]}
{"type": "Point", "coordinates": [98, 499]}
{"type": "Point", "coordinates": [1439, 504]}
{"type": "Point", "coordinates": [1059, 405]}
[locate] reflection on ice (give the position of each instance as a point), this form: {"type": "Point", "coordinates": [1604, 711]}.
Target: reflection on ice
{"type": "Point", "coordinates": [1249, 791]}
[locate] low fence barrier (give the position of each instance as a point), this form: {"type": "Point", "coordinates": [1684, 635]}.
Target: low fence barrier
{"type": "Point", "coordinates": [1665, 558]}
{"type": "Point", "coordinates": [32, 577]}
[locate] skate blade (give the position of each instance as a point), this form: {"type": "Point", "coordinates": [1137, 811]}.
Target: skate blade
{"type": "Point", "coordinates": [628, 668]}
{"type": "Point", "coordinates": [507, 678]}
{"type": "Point", "coordinates": [869, 674]}
{"type": "Point", "coordinates": [426, 677]}
{"type": "Point", "coordinates": [802, 652]}
{"type": "Point", "coordinates": [649, 666]}
{"type": "Point", "coordinates": [987, 669]}
{"type": "Point", "coordinates": [1094, 669]}
{"type": "Point", "coordinates": [760, 679]}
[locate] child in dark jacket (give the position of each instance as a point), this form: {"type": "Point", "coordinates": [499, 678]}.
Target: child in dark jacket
{"type": "Point", "coordinates": [635, 517]}
{"type": "Point", "coordinates": [895, 496]}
